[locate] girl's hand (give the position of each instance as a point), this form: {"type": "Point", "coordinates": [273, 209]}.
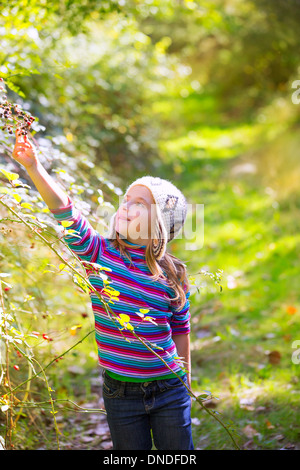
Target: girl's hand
{"type": "Point", "coordinates": [24, 151]}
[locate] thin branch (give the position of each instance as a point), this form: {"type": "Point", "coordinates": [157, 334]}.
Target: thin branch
{"type": "Point", "coordinates": [107, 308]}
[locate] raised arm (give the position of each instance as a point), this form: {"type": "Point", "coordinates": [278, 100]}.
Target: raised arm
{"type": "Point", "coordinates": [25, 153]}
{"type": "Point", "coordinates": [86, 243]}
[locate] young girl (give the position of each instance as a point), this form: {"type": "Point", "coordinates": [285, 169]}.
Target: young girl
{"type": "Point", "coordinates": [141, 392]}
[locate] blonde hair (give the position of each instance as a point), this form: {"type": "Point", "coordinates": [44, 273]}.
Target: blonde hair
{"type": "Point", "coordinates": [169, 268]}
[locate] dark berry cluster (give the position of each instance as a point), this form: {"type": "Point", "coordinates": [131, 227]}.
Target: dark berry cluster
{"type": "Point", "coordinates": [13, 114]}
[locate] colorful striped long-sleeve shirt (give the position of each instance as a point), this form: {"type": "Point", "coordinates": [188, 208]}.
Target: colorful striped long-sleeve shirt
{"type": "Point", "coordinates": [119, 351]}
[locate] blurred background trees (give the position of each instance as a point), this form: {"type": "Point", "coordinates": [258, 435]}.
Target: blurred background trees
{"type": "Point", "coordinates": [203, 93]}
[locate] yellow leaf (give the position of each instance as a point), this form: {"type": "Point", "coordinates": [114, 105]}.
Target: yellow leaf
{"type": "Point", "coordinates": [17, 197]}
{"type": "Point", "coordinates": [269, 424]}
{"type": "Point", "coordinates": [124, 318]}
{"type": "Point", "coordinates": [110, 291]}
{"type": "Point", "coordinates": [26, 205]}
{"type": "Point", "coordinates": [66, 223]}
{"type": "Point", "coordinates": [124, 321]}
{"type": "Point", "coordinates": [157, 347]}
{"type": "Point", "coordinates": [9, 176]}
{"type": "Point", "coordinates": [13, 330]}
{"type": "Point", "coordinates": [74, 329]}
{"type": "Point", "coordinates": [144, 310]}
{"type": "Point", "coordinates": [4, 190]}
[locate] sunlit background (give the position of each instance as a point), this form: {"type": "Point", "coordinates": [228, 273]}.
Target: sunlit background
{"type": "Point", "coordinates": [206, 94]}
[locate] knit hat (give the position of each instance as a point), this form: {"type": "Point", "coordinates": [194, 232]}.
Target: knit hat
{"type": "Point", "coordinates": [171, 211]}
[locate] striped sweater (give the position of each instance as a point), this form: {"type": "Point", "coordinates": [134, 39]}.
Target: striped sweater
{"type": "Point", "coordinates": [119, 351]}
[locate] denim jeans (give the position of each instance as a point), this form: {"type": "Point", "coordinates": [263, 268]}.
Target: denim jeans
{"type": "Point", "coordinates": [135, 408]}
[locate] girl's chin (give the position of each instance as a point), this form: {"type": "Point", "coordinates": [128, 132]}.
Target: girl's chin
{"type": "Point", "coordinates": [121, 224]}
{"type": "Point", "coordinates": [122, 233]}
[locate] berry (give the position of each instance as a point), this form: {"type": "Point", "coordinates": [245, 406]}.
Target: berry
{"type": "Point", "coordinates": [13, 112]}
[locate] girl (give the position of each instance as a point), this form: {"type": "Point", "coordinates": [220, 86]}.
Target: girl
{"type": "Point", "coordinates": [141, 392]}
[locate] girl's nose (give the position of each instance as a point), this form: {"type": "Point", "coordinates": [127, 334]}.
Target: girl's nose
{"type": "Point", "coordinates": [124, 212]}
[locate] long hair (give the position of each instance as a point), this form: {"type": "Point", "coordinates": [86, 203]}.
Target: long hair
{"type": "Point", "coordinates": [169, 268]}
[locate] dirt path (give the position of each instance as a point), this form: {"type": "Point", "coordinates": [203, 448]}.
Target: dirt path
{"type": "Point", "coordinates": [87, 430]}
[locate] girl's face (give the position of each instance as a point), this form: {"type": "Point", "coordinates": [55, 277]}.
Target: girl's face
{"type": "Point", "coordinates": [136, 215]}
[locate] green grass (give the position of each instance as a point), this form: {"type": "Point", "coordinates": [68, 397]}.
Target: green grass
{"type": "Point", "coordinates": [252, 234]}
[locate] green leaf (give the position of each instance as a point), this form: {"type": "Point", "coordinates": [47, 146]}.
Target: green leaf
{"type": "Point", "coordinates": [14, 88]}
{"type": "Point", "coordinates": [79, 281]}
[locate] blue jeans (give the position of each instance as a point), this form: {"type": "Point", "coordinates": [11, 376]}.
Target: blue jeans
{"type": "Point", "coordinates": [135, 408]}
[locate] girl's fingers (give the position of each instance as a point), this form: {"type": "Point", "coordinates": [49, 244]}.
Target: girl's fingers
{"type": "Point", "coordinates": [21, 148]}
{"type": "Point", "coordinates": [27, 141]}
{"type": "Point", "coordinates": [23, 144]}
{"type": "Point", "coordinates": [20, 138]}
{"type": "Point", "coordinates": [23, 139]}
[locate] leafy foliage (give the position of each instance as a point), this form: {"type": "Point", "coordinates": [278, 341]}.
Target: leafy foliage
{"type": "Point", "coordinates": [200, 91]}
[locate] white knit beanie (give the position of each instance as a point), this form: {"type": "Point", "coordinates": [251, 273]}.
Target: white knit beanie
{"type": "Point", "coordinates": [171, 210]}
